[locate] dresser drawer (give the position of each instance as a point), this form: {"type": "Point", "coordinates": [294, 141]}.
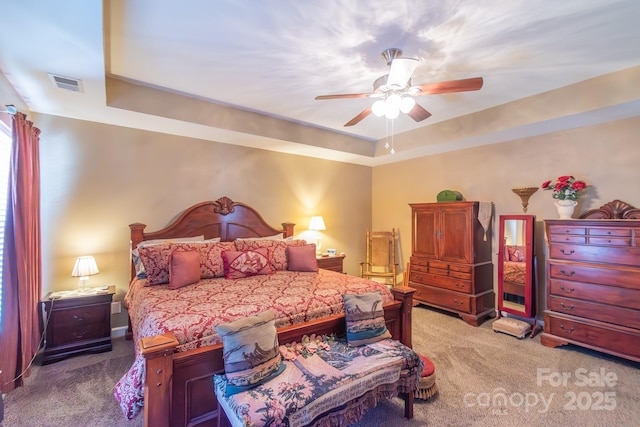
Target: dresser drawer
{"type": "Point", "coordinates": [561, 238]}
{"type": "Point", "coordinates": [612, 254]}
{"type": "Point", "coordinates": [622, 341]}
{"type": "Point", "coordinates": [564, 229]}
{"type": "Point", "coordinates": [85, 315]}
{"type": "Point", "coordinates": [625, 277]}
{"type": "Point", "coordinates": [609, 241]}
{"type": "Point", "coordinates": [419, 261]}
{"type": "Point", "coordinates": [78, 333]}
{"type": "Point", "coordinates": [620, 232]}
{"type": "Point", "coordinates": [591, 310]}
{"type": "Point", "coordinates": [621, 297]}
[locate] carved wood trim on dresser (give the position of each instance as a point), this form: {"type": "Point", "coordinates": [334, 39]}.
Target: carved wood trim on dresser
{"type": "Point", "coordinates": [593, 281]}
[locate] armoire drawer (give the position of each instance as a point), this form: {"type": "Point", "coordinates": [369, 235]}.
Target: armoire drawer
{"type": "Point", "coordinates": [455, 284]}
{"type": "Point", "coordinates": [623, 341]}
{"type": "Point", "coordinates": [593, 310]}
{"type": "Point", "coordinates": [447, 299]}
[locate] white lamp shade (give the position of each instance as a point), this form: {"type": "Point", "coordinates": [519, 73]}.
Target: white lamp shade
{"type": "Point", "coordinates": [85, 266]}
{"type": "Point", "coordinates": [378, 108]}
{"type": "Point", "coordinates": [407, 104]}
{"type": "Point", "coordinates": [317, 223]}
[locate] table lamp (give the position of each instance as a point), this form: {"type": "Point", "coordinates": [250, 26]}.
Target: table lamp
{"type": "Point", "coordinates": [317, 224]}
{"type": "Point", "coordinates": [85, 266]}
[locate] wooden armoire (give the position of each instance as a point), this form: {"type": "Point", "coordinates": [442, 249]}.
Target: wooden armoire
{"type": "Point", "coordinates": [450, 265]}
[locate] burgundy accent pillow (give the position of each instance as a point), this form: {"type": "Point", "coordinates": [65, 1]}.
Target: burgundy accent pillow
{"type": "Point", "coordinates": [184, 268]}
{"type": "Point", "coordinates": [302, 258]}
{"type": "Point", "coordinates": [239, 264]}
{"type": "Point", "coordinates": [277, 250]}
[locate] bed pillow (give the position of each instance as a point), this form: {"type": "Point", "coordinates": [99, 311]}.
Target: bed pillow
{"type": "Point", "coordinates": [277, 250]}
{"type": "Point", "coordinates": [135, 255]}
{"type": "Point", "coordinates": [302, 258]}
{"type": "Point", "coordinates": [156, 259]}
{"type": "Point", "coordinates": [516, 253]}
{"type": "Point", "coordinates": [239, 264]}
{"type": "Point", "coordinates": [365, 318]}
{"type": "Point", "coordinates": [250, 351]}
{"type": "Point", "coordinates": [184, 268]}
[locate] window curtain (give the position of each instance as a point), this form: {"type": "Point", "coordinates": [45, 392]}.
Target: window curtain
{"type": "Point", "coordinates": [22, 263]}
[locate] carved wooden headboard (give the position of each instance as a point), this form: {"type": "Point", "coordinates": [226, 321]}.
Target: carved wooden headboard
{"type": "Point", "coordinates": [222, 218]}
{"type": "Point", "coordinates": [616, 209]}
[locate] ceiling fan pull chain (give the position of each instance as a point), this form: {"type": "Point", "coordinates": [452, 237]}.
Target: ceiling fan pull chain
{"type": "Point", "coordinates": [386, 134]}
{"type": "Point", "coordinates": [393, 151]}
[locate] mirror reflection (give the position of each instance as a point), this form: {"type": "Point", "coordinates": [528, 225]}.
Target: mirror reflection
{"type": "Point", "coordinates": [515, 267]}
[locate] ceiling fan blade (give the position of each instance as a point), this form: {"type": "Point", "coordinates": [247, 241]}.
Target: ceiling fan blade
{"type": "Point", "coordinates": [401, 71]}
{"type": "Point", "coordinates": [346, 95]}
{"type": "Point", "coordinates": [359, 117]}
{"type": "Point", "coordinates": [451, 86]}
{"type": "Point", "coordinates": [418, 113]}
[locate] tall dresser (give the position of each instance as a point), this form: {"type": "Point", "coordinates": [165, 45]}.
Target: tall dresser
{"type": "Point", "coordinates": [593, 285]}
{"type": "Point", "coordinates": [450, 265]}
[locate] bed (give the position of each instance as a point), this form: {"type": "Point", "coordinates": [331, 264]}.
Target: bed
{"type": "Point", "coordinates": [515, 270]}
{"type": "Point", "coordinates": [177, 349]}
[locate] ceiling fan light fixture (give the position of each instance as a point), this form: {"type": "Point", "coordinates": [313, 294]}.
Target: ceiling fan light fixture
{"type": "Point", "coordinates": [406, 104]}
{"type": "Point", "coordinates": [378, 108]}
{"type": "Point", "coordinates": [391, 110]}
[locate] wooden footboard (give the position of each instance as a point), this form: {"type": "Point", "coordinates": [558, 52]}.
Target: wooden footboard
{"type": "Point", "coordinates": [178, 385]}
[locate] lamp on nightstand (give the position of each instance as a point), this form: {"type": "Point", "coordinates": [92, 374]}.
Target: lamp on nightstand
{"type": "Point", "coordinates": [85, 266]}
{"type": "Point", "coordinates": [317, 224]}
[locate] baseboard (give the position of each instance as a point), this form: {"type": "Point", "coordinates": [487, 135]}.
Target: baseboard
{"type": "Point", "coordinates": [118, 332]}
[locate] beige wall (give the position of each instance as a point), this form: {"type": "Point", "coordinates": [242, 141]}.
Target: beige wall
{"type": "Point", "coordinates": [97, 179]}
{"type": "Point", "coordinates": [606, 156]}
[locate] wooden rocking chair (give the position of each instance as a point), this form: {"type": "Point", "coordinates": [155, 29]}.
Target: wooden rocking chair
{"type": "Point", "coordinates": [381, 256]}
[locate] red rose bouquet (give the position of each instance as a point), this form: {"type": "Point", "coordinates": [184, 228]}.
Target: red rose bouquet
{"type": "Point", "coordinates": [565, 188]}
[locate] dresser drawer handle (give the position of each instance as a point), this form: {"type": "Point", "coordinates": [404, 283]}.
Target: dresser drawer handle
{"type": "Point", "coordinates": [458, 303]}
{"type": "Point", "coordinates": [459, 285]}
{"type": "Point", "coordinates": [569, 308]}
{"type": "Point", "coordinates": [418, 276]}
{"type": "Point", "coordinates": [564, 273]}
{"type": "Point", "coordinates": [78, 318]}
{"type": "Point", "coordinates": [563, 289]}
{"type": "Point", "coordinates": [80, 334]}
{"type": "Point", "coordinates": [568, 331]}
{"type": "Point", "coordinates": [569, 252]}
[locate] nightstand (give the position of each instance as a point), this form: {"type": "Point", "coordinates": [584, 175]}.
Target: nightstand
{"type": "Point", "coordinates": [332, 262]}
{"type": "Point", "coordinates": [77, 323]}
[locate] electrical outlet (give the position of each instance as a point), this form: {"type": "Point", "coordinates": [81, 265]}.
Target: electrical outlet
{"type": "Point", "coordinates": [116, 307]}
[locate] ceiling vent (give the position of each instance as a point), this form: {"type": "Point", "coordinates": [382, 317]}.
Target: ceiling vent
{"type": "Point", "coordinates": [68, 83]}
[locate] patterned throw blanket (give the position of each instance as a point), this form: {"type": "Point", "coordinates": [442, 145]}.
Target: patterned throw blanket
{"type": "Point", "coordinates": [332, 386]}
{"type": "Point", "coordinates": [193, 311]}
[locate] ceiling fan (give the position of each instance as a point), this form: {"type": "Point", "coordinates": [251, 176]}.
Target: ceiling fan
{"type": "Point", "coordinates": [395, 93]}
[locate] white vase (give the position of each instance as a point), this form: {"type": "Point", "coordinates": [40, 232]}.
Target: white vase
{"type": "Point", "coordinates": [565, 208]}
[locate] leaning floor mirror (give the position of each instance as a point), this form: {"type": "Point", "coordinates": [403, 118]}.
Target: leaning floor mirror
{"type": "Point", "coordinates": [516, 280]}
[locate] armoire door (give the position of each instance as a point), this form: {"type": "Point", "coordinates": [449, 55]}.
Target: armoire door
{"type": "Point", "coordinates": [454, 234]}
{"type": "Point", "coordinates": [425, 232]}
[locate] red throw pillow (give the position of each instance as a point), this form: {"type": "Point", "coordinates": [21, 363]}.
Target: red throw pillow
{"type": "Point", "coordinates": [184, 268]}
{"type": "Point", "coordinates": [277, 250]}
{"type": "Point", "coordinates": [302, 258]}
{"type": "Point", "coordinates": [239, 264]}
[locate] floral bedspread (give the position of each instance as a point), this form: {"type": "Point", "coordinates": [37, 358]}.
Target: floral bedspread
{"type": "Point", "coordinates": [192, 312]}
{"type": "Point", "coordinates": [326, 387]}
